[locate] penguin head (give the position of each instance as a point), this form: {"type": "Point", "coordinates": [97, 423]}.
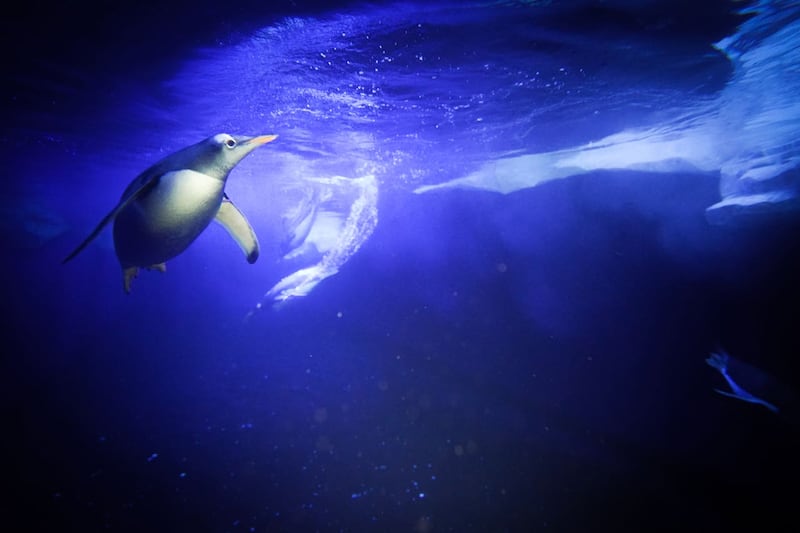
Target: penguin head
{"type": "Point", "coordinates": [217, 155]}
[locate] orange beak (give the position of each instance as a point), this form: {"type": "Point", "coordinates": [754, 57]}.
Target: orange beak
{"type": "Point", "coordinates": [261, 139]}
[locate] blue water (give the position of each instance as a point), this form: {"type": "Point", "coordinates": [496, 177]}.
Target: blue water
{"type": "Point", "coordinates": [498, 242]}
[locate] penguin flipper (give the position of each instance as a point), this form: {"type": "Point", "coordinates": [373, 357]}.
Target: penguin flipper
{"type": "Point", "coordinates": [239, 228]}
{"type": "Point", "coordinates": [93, 234]}
{"type": "Point", "coordinates": [128, 197]}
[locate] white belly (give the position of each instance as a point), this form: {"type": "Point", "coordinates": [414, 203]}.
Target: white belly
{"type": "Point", "coordinates": [182, 198]}
{"type": "Point", "coordinates": [167, 219]}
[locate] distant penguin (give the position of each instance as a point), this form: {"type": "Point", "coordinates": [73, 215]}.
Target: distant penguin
{"type": "Point", "coordinates": [167, 206]}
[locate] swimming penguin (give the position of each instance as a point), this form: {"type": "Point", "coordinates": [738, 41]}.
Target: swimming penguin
{"type": "Point", "coordinates": [167, 206]}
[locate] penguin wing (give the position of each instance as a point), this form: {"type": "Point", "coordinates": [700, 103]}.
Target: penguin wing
{"type": "Point", "coordinates": [138, 187]}
{"type": "Point", "coordinates": [237, 226]}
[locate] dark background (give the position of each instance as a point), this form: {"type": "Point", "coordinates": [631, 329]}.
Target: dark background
{"type": "Point", "coordinates": [620, 429]}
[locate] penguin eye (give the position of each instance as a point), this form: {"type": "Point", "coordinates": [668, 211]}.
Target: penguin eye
{"type": "Point", "coordinates": [230, 143]}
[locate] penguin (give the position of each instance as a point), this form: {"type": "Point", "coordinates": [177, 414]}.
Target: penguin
{"type": "Point", "coordinates": [166, 207]}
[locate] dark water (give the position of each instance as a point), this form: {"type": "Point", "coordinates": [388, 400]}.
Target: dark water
{"type": "Point", "coordinates": [523, 362]}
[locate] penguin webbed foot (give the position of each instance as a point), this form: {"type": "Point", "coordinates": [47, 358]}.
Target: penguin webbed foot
{"type": "Point", "coordinates": [128, 275]}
